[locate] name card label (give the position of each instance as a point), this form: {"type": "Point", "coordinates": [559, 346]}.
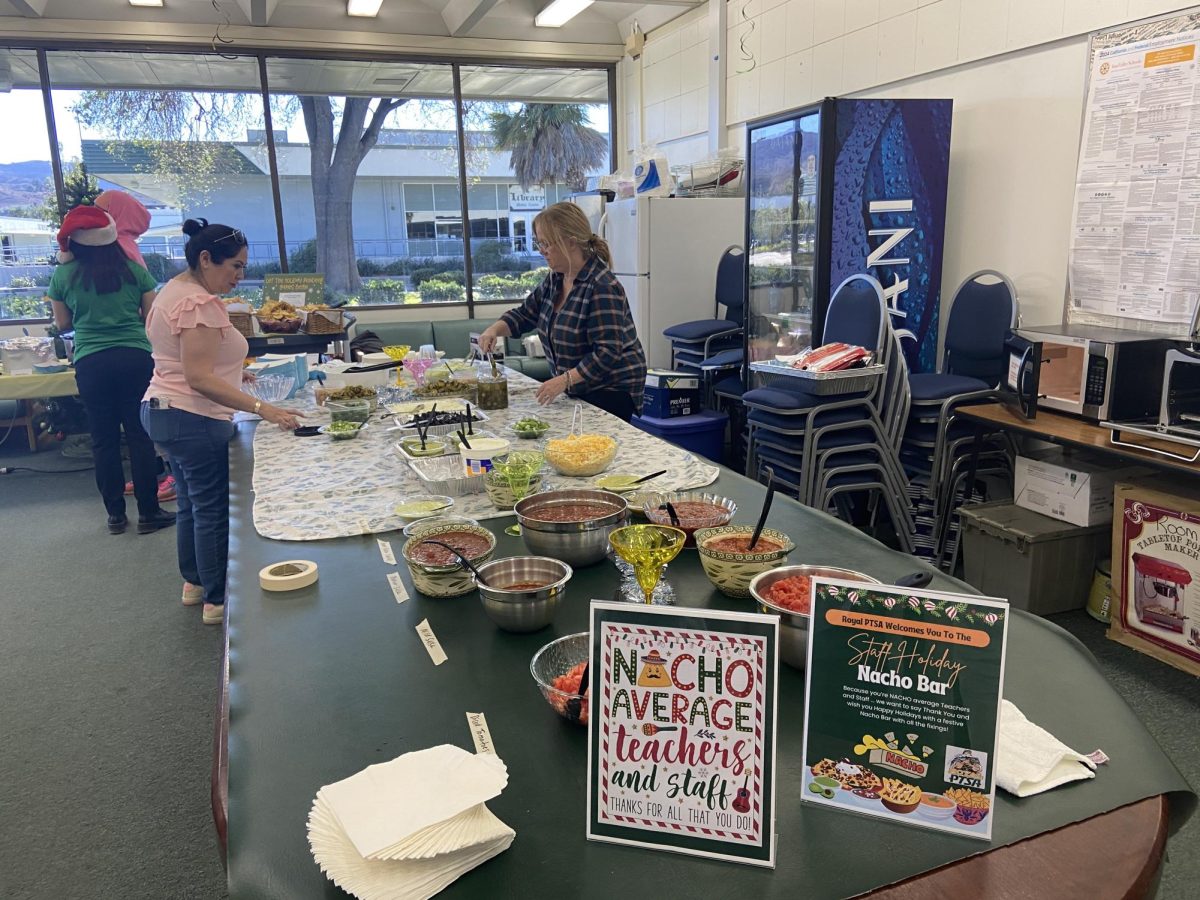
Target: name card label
{"type": "Point", "coordinates": [432, 646]}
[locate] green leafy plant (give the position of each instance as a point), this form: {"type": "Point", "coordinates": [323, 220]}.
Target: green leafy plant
{"type": "Point", "coordinates": [440, 291]}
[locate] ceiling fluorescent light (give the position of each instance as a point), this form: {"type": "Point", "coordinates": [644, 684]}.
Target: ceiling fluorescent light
{"type": "Point", "coordinates": [560, 12]}
{"type": "Point", "coordinates": [145, 2]}
{"type": "Point", "coordinates": [366, 8]}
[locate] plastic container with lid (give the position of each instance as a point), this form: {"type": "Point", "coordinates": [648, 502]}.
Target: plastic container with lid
{"type": "Point", "coordinates": [1034, 562]}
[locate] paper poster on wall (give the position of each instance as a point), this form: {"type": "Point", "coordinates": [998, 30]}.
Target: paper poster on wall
{"type": "Point", "coordinates": [1135, 231]}
{"type": "Point", "coordinates": [681, 743]}
{"type": "Point", "coordinates": [902, 706]}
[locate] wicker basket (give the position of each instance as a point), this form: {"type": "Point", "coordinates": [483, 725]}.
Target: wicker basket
{"type": "Point", "coordinates": [243, 323]}
{"type": "Point", "coordinates": [324, 321]}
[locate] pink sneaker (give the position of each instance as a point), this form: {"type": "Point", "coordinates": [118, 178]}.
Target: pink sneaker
{"type": "Point", "coordinates": [129, 487]}
{"type": "Point", "coordinates": [213, 614]}
{"type": "Point", "coordinates": [193, 594]}
{"type": "Point", "coordinates": [166, 489]}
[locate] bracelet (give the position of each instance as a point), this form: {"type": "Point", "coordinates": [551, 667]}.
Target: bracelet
{"type": "Point", "coordinates": [568, 375]}
{"type": "Point", "coordinates": [257, 406]}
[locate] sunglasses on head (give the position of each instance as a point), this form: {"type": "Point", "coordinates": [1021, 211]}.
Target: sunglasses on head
{"type": "Point", "coordinates": [234, 235]}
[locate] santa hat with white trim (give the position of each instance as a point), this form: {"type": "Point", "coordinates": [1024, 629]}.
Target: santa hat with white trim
{"type": "Point", "coordinates": [88, 226]}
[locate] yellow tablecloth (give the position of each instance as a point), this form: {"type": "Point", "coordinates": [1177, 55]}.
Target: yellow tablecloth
{"type": "Point", "coordinates": [29, 387]}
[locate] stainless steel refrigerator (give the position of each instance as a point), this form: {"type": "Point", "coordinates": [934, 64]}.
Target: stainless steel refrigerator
{"type": "Point", "coordinates": [665, 254]}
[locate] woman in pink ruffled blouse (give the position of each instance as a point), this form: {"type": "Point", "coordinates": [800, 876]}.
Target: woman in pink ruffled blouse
{"type": "Point", "coordinates": [189, 406]}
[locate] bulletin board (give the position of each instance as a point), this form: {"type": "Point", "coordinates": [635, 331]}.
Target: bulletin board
{"type": "Point", "coordinates": [1134, 258]}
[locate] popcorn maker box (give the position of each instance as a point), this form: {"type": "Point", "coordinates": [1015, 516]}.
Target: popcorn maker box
{"type": "Point", "coordinates": [1156, 571]}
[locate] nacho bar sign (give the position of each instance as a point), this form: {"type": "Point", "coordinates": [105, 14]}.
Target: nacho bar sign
{"type": "Point", "coordinates": [682, 731]}
{"type": "Point", "coordinates": [902, 706]}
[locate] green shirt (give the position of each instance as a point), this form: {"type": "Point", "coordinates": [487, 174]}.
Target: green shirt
{"type": "Point", "coordinates": [103, 321]}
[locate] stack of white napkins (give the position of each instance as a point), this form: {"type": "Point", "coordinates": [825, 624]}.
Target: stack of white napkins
{"type": "Point", "coordinates": [1032, 760]}
{"type": "Point", "coordinates": [403, 830]}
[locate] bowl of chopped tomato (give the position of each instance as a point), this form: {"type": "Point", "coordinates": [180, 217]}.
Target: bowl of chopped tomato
{"type": "Point", "coordinates": [787, 592]}
{"type": "Point", "coordinates": [558, 669]}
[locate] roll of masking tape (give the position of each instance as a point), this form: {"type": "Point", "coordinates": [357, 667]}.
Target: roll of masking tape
{"type": "Point", "coordinates": [288, 576]}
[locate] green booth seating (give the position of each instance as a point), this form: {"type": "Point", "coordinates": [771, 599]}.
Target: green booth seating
{"type": "Point", "coordinates": [454, 337]}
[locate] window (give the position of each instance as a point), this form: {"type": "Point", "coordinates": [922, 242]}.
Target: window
{"type": "Point", "coordinates": [385, 226]}
{"type": "Point", "coordinates": [185, 153]}
{"type": "Point", "coordinates": [188, 135]}
{"type": "Point", "coordinates": [533, 136]}
{"type": "Point", "coordinates": [28, 203]}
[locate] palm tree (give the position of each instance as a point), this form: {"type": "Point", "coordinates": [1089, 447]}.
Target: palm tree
{"type": "Point", "coordinates": [549, 143]}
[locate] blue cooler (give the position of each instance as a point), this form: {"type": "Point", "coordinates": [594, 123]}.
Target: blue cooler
{"type": "Point", "coordinates": [702, 433]}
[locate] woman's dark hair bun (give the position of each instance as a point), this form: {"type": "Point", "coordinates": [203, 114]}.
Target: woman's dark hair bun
{"type": "Point", "coordinates": [194, 226]}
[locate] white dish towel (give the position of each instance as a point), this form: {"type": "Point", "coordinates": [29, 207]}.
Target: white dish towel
{"type": "Point", "coordinates": [1032, 760]}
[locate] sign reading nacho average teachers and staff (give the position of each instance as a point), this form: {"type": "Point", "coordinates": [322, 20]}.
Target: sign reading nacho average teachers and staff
{"type": "Point", "coordinates": [902, 706]}
{"type": "Point", "coordinates": [681, 743]}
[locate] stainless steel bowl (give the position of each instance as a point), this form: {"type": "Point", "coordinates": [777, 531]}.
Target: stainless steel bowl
{"type": "Point", "coordinates": [575, 543]}
{"type": "Point", "coordinates": [523, 610]}
{"type": "Point", "coordinates": [793, 626]}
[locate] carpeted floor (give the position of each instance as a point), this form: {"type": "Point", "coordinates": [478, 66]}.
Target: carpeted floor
{"type": "Point", "coordinates": [109, 697]}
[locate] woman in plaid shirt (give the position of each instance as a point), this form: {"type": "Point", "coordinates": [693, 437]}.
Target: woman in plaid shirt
{"type": "Point", "coordinates": [582, 316]}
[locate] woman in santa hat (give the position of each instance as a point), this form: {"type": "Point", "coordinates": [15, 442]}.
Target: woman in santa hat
{"type": "Point", "coordinates": [104, 297]}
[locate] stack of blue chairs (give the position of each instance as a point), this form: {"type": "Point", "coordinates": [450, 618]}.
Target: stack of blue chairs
{"type": "Point", "coordinates": [936, 448]}
{"type": "Point", "coordinates": [712, 348]}
{"type": "Point", "coordinates": [824, 448]}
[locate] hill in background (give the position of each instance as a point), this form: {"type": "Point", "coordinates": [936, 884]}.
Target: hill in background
{"type": "Point", "coordinates": [24, 185]}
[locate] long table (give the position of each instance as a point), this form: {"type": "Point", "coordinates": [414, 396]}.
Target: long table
{"type": "Point", "coordinates": [324, 681]}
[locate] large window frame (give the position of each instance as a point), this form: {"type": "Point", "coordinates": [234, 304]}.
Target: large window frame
{"type": "Point", "coordinates": [261, 55]}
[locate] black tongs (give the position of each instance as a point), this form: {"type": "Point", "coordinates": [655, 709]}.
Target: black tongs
{"type": "Point", "coordinates": [378, 367]}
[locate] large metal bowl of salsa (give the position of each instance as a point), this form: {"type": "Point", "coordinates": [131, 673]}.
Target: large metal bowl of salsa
{"type": "Point", "coordinates": [571, 525]}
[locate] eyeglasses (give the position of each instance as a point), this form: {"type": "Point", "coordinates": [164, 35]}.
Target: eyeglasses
{"type": "Point", "coordinates": [543, 246]}
{"type": "Point", "coordinates": [234, 235]}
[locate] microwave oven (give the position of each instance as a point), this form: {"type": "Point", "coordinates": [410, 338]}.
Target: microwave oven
{"type": "Point", "coordinates": [1088, 371]}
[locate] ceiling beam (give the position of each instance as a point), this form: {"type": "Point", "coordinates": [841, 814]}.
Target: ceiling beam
{"type": "Point", "coordinates": [667, 2]}
{"type": "Point", "coordinates": [461, 16]}
{"type": "Point", "coordinates": [259, 12]}
{"type": "Point", "coordinates": [30, 9]}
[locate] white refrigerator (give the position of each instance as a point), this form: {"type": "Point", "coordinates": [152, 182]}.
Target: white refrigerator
{"type": "Point", "coordinates": [665, 253]}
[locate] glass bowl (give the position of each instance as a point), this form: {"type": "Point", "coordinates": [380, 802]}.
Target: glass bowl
{"type": "Point", "coordinates": [270, 388]}
{"type": "Point", "coordinates": [418, 525]}
{"type": "Point", "coordinates": [557, 661]}
{"type": "Point", "coordinates": [421, 506]}
{"type": "Point", "coordinates": [696, 510]}
{"type": "Point", "coordinates": [347, 432]}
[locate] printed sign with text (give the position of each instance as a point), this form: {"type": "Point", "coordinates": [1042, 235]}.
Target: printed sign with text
{"type": "Point", "coordinates": [681, 744]}
{"type": "Point", "coordinates": [902, 707]}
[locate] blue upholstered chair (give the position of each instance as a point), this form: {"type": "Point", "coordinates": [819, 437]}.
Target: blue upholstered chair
{"type": "Point", "coordinates": [692, 343]}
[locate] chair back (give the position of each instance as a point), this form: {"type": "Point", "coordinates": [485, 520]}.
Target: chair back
{"type": "Point", "coordinates": [857, 314]}
{"type": "Point", "coordinates": [982, 315]}
{"type": "Point", "coordinates": [731, 282]}
{"type": "Point", "coordinates": [894, 399]}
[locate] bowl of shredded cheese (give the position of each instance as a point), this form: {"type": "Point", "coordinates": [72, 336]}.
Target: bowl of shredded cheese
{"type": "Point", "coordinates": [581, 455]}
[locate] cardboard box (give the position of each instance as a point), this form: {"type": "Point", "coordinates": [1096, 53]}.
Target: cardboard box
{"type": "Point", "coordinates": [670, 394]}
{"type": "Point", "coordinates": [1076, 488]}
{"type": "Point", "coordinates": [1156, 571]}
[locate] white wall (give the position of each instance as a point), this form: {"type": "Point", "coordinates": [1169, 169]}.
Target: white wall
{"type": "Point", "coordinates": [1013, 148]}
{"type": "Point", "coordinates": [1014, 68]}
{"type": "Point", "coordinates": [665, 93]}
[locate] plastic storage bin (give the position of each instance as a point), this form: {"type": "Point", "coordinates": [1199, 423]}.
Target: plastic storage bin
{"type": "Point", "coordinates": [1036, 563]}
{"type": "Point", "coordinates": [702, 432]}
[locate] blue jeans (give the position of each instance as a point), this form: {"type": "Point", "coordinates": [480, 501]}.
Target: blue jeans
{"type": "Point", "coordinates": [198, 448]}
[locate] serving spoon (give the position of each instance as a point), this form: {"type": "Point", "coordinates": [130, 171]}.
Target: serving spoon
{"type": "Point", "coordinates": [461, 560]}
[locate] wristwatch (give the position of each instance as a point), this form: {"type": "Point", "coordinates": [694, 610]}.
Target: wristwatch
{"type": "Point", "coordinates": [257, 406]}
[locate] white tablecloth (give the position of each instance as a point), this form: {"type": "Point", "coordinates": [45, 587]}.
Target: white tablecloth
{"type": "Point", "coordinates": [308, 489]}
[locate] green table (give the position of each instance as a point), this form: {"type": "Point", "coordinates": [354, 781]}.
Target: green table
{"type": "Point", "coordinates": [329, 679]}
